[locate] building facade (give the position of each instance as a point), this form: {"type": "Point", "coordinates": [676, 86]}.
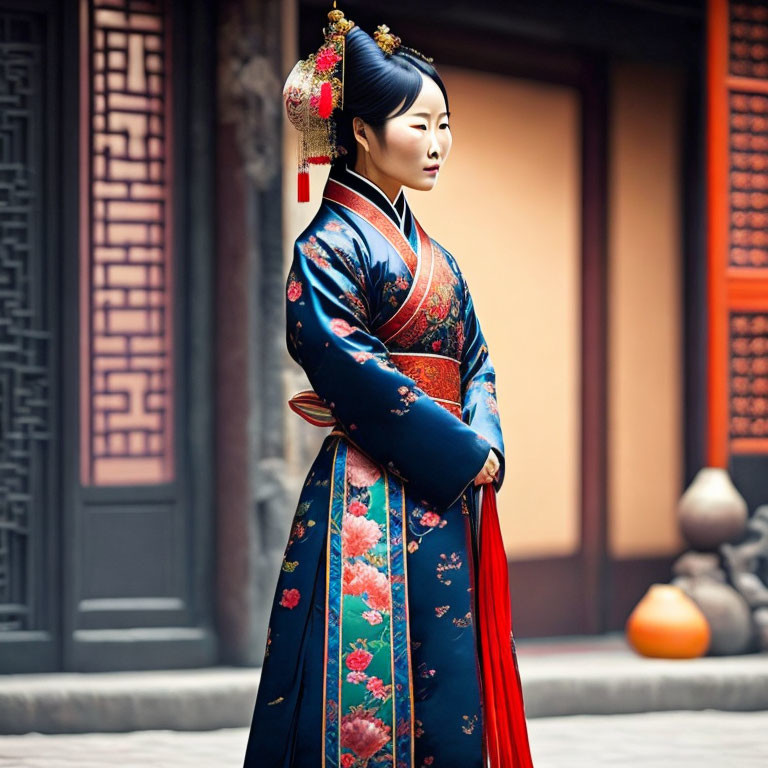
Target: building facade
{"type": "Point", "coordinates": [607, 172]}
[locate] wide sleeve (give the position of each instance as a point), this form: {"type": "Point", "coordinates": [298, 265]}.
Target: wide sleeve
{"type": "Point", "coordinates": [480, 407]}
{"type": "Point", "coordinates": [382, 410]}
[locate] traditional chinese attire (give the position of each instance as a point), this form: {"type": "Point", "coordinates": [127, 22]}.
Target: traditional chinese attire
{"type": "Point", "coordinates": [372, 655]}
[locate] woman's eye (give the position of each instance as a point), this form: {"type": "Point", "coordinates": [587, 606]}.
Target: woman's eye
{"type": "Point", "coordinates": [421, 126]}
{"type": "Point", "coordinates": [445, 125]}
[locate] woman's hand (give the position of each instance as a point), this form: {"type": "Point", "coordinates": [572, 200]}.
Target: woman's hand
{"type": "Point", "coordinates": [488, 473]}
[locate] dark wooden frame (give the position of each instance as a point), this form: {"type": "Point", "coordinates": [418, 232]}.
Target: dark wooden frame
{"type": "Point", "coordinates": [193, 641]}
{"type": "Point", "coordinates": [39, 649]}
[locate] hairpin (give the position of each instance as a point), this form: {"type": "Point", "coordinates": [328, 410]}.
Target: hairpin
{"type": "Point", "coordinates": [390, 43]}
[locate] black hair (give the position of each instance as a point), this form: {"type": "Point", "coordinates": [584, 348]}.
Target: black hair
{"type": "Point", "coordinates": [374, 84]}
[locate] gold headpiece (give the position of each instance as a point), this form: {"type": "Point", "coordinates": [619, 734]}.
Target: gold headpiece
{"type": "Point", "coordinates": [386, 41]}
{"type": "Point", "coordinates": [390, 43]}
{"type": "Point", "coordinates": [313, 89]}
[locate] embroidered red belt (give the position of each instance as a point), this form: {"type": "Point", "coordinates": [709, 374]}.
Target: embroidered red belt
{"type": "Point", "coordinates": [438, 376]}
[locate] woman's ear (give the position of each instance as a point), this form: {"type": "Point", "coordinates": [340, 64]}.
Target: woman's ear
{"type": "Point", "coordinates": [358, 129]}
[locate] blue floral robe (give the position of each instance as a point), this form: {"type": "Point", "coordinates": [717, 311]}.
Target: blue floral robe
{"type": "Point", "coordinates": [372, 655]}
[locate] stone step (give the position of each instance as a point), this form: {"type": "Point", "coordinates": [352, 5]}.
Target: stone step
{"type": "Point", "coordinates": [561, 676]}
{"type": "Point", "coordinates": [594, 676]}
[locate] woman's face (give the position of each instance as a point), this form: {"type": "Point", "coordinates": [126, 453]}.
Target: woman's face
{"type": "Point", "coordinates": [409, 149]}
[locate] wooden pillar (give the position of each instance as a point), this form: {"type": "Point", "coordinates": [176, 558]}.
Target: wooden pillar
{"type": "Point", "coordinates": [253, 513]}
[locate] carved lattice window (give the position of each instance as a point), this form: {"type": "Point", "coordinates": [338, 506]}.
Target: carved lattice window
{"type": "Point", "coordinates": [126, 276]}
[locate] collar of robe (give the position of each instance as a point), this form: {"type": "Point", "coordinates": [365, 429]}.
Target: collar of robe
{"type": "Point", "coordinates": [420, 264]}
{"type": "Point", "coordinates": [398, 212]}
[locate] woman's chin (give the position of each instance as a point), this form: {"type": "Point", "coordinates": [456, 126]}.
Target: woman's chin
{"type": "Point", "coordinates": [423, 184]}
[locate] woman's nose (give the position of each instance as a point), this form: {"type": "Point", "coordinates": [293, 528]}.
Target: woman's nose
{"type": "Point", "coordinates": [434, 146]}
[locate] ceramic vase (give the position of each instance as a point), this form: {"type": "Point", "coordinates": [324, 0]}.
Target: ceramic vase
{"type": "Point", "coordinates": [666, 623]}
{"type": "Point", "coordinates": [711, 511]}
{"type": "Point", "coordinates": [727, 613]}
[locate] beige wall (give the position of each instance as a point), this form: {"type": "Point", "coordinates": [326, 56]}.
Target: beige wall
{"type": "Point", "coordinates": [507, 206]}
{"type": "Point", "coordinates": [645, 356]}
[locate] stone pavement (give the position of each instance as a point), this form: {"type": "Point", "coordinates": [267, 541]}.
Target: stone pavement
{"type": "Point", "coordinates": [682, 739]}
{"type": "Point", "coordinates": [561, 676]}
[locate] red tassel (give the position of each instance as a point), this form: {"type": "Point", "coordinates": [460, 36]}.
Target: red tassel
{"type": "Point", "coordinates": [303, 186]}
{"type": "Point", "coordinates": [325, 105]}
{"type": "Point", "coordinates": [503, 708]}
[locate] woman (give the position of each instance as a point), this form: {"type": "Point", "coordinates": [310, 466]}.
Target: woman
{"type": "Point", "coordinates": [373, 656]}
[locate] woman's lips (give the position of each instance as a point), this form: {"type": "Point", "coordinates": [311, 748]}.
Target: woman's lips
{"type": "Point", "coordinates": [432, 169]}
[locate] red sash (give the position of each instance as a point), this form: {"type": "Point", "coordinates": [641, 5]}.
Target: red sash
{"type": "Point", "coordinates": [506, 732]}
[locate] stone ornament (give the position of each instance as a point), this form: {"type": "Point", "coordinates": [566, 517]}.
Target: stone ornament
{"type": "Point", "coordinates": [712, 511]}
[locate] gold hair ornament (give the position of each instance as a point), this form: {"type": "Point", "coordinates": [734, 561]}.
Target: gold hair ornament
{"type": "Point", "coordinates": [390, 43]}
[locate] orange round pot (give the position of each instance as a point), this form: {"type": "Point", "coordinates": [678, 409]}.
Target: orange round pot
{"type": "Point", "coordinates": [668, 624]}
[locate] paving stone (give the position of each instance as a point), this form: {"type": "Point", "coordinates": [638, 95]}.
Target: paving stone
{"type": "Point", "coordinates": [684, 739]}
